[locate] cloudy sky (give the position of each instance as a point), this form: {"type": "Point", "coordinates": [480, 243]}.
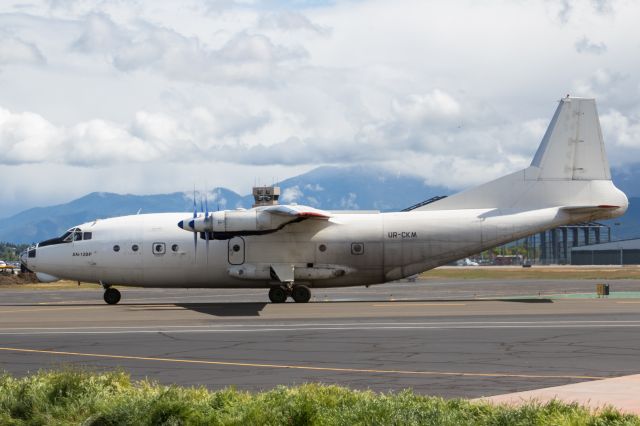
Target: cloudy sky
{"type": "Point", "coordinates": [150, 96]}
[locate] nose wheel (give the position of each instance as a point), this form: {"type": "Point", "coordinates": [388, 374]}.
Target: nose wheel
{"type": "Point", "coordinates": [111, 296]}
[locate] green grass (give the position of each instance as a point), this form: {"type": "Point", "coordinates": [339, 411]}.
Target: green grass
{"type": "Point", "coordinates": [534, 273]}
{"type": "Point", "coordinates": [77, 397]}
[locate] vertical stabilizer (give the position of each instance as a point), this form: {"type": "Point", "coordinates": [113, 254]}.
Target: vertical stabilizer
{"type": "Point", "coordinates": [572, 147]}
{"type": "Point", "coordinates": [570, 168]}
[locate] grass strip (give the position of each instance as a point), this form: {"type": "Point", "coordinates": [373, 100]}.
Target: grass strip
{"type": "Point", "coordinates": [534, 273]}
{"type": "Point", "coordinates": [74, 397]}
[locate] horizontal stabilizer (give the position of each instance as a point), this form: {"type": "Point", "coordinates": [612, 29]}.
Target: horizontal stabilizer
{"type": "Point", "coordinates": [588, 209]}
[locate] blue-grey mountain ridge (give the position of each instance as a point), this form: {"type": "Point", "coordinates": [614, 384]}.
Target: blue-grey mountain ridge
{"type": "Point", "coordinates": [330, 188]}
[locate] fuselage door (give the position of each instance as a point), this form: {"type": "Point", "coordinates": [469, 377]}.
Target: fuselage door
{"type": "Point", "coordinates": [236, 250]}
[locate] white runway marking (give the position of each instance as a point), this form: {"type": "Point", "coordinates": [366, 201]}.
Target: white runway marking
{"type": "Point", "coordinates": [270, 328]}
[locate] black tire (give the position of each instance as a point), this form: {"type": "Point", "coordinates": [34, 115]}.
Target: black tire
{"type": "Point", "coordinates": [277, 295]}
{"type": "Point", "coordinates": [111, 296]}
{"type": "Point", "coordinates": [301, 294]}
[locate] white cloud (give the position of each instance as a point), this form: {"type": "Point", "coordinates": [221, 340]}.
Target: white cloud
{"type": "Point", "coordinates": [348, 202]}
{"type": "Point", "coordinates": [16, 51]}
{"type": "Point", "coordinates": [584, 45]}
{"type": "Point", "coordinates": [29, 138]}
{"type": "Point", "coordinates": [315, 188]}
{"type": "Point", "coordinates": [100, 34]}
{"type": "Point", "coordinates": [284, 20]}
{"type": "Point", "coordinates": [292, 194]}
{"type": "Point", "coordinates": [622, 131]}
{"type": "Point", "coordinates": [435, 106]}
{"type": "Point", "coordinates": [235, 90]}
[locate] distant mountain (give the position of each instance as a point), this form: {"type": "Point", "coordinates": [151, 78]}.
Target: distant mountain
{"type": "Point", "coordinates": [331, 188]}
{"type": "Point", "coordinates": [627, 226]}
{"type": "Point", "coordinates": [628, 179]}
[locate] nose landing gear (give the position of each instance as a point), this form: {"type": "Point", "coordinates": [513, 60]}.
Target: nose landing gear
{"type": "Point", "coordinates": [111, 295]}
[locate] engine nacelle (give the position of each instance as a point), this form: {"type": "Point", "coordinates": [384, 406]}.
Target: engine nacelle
{"type": "Point", "coordinates": [242, 220]}
{"type": "Point", "coordinates": [236, 222]}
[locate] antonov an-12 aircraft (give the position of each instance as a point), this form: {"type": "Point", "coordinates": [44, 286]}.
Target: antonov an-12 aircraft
{"type": "Point", "coordinates": [291, 249]}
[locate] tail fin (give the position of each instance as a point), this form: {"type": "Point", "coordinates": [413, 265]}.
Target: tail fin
{"type": "Point", "coordinates": [569, 169]}
{"type": "Point", "coordinates": [572, 147]}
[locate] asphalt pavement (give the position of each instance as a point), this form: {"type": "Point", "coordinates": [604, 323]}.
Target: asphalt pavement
{"type": "Point", "coordinates": [455, 339]}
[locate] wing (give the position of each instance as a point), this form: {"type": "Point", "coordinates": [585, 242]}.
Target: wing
{"type": "Point", "coordinates": [296, 211]}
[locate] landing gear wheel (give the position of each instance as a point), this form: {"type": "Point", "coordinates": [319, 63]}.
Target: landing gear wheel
{"type": "Point", "coordinates": [111, 296]}
{"type": "Point", "coordinates": [277, 295]}
{"type": "Point", "coordinates": [301, 294]}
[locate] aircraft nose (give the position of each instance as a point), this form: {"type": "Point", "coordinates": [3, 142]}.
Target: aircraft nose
{"type": "Point", "coordinates": [24, 260]}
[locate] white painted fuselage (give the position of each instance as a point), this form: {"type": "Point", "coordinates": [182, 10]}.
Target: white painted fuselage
{"type": "Point", "coordinates": [389, 246]}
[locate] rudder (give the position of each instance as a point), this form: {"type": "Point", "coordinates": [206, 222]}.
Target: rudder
{"type": "Point", "coordinates": [572, 147]}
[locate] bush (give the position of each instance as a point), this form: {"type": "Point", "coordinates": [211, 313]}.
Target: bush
{"type": "Point", "coordinates": [79, 397]}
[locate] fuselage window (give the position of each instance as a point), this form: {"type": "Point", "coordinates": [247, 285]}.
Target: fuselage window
{"type": "Point", "coordinates": [357, 248]}
{"type": "Point", "coordinates": [159, 248]}
{"type": "Point", "coordinates": [134, 247]}
{"type": "Point", "coordinates": [174, 248]}
{"type": "Point", "coordinates": [116, 248]}
{"type": "Point", "coordinates": [87, 235]}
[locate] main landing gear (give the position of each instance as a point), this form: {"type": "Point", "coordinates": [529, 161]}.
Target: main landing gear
{"type": "Point", "coordinates": [299, 293]}
{"type": "Point", "coordinates": [111, 295]}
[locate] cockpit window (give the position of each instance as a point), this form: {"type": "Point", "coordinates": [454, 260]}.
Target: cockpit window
{"type": "Point", "coordinates": [87, 235]}
{"type": "Point", "coordinates": [73, 234]}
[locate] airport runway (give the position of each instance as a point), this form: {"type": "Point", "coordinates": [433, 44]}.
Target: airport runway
{"type": "Point", "coordinates": [449, 338]}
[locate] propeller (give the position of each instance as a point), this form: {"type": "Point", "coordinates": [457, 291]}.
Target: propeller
{"type": "Point", "coordinates": [206, 219]}
{"type": "Point", "coordinates": [195, 234]}
{"type": "Point", "coordinates": [203, 224]}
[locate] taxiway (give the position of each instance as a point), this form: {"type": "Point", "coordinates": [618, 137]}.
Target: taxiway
{"type": "Point", "coordinates": [465, 339]}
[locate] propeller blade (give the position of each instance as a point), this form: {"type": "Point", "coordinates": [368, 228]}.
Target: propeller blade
{"type": "Point", "coordinates": [206, 218]}
{"type": "Point", "coordinates": [206, 236]}
{"type": "Point", "coordinates": [195, 209]}
{"type": "Point", "coordinates": [195, 234]}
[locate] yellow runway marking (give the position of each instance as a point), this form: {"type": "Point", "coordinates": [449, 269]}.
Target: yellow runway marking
{"type": "Point", "coordinates": [304, 367]}
{"type": "Point", "coordinates": [418, 304]}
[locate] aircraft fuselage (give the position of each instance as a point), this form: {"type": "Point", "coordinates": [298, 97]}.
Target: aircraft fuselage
{"type": "Point", "coordinates": [352, 249]}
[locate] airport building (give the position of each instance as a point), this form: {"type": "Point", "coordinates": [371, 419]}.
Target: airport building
{"type": "Point", "coordinates": [623, 252]}
{"type": "Point", "coordinates": [554, 246]}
